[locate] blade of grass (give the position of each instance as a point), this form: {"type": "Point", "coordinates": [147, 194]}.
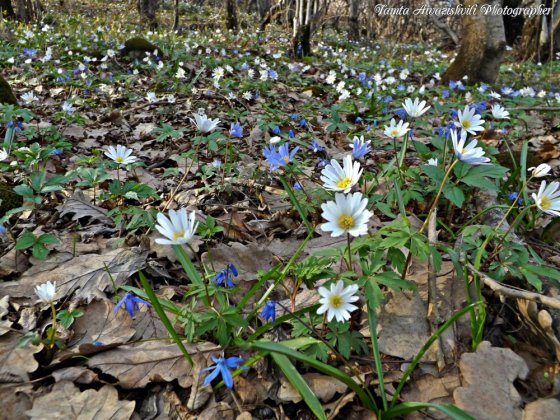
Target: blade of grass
{"type": "Point", "coordinates": [409, 407]}
{"type": "Point", "coordinates": [297, 205]}
{"type": "Point", "coordinates": [161, 313]}
{"type": "Point", "coordinates": [299, 383]}
{"type": "Point", "coordinates": [320, 366]}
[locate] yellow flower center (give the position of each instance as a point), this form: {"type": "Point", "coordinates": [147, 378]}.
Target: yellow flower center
{"type": "Point", "coordinates": [119, 159]}
{"type": "Point", "coordinates": [545, 203]}
{"type": "Point", "coordinates": [346, 221]}
{"type": "Point", "coordinates": [394, 133]}
{"type": "Point", "coordinates": [466, 123]}
{"type": "Point", "coordinates": [178, 234]}
{"type": "Point", "coordinates": [336, 301]}
{"type": "Point", "coordinates": [286, 159]}
{"type": "Point", "coordinates": [344, 182]}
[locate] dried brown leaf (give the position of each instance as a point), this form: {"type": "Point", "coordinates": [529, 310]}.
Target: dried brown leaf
{"type": "Point", "coordinates": [84, 275]}
{"type": "Point", "coordinates": [80, 207]}
{"type": "Point", "coordinates": [136, 365]}
{"type": "Point", "coordinates": [65, 401]}
{"type": "Point", "coordinates": [16, 363]}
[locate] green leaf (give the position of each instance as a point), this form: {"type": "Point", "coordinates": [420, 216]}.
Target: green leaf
{"type": "Point", "coordinates": [299, 383]}
{"type": "Point", "coordinates": [435, 173]}
{"type": "Point", "coordinates": [48, 238]}
{"type": "Point", "coordinates": [392, 280]}
{"type": "Point", "coordinates": [40, 251]}
{"type": "Point", "coordinates": [26, 240]}
{"type": "Point", "coordinates": [454, 194]}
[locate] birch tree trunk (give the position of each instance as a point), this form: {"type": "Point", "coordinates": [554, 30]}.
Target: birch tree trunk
{"type": "Point", "coordinates": [307, 14]}
{"type": "Point", "coordinates": [482, 47]}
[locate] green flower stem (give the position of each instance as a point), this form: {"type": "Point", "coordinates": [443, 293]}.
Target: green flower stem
{"type": "Point", "coordinates": [438, 195]}
{"type": "Point", "coordinates": [53, 328]}
{"type": "Point", "coordinates": [297, 205]}
{"type": "Point", "coordinates": [350, 266]}
{"type": "Point", "coordinates": [403, 151]}
{"type": "Point", "coordinates": [372, 321]}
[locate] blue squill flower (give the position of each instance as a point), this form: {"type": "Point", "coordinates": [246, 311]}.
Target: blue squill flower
{"type": "Point", "coordinates": [222, 367]}
{"type": "Point", "coordinates": [130, 302]}
{"type": "Point", "coordinates": [291, 134]}
{"type": "Point", "coordinates": [513, 196]}
{"type": "Point", "coordinates": [303, 123]}
{"type": "Point", "coordinates": [272, 74]}
{"type": "Point", "coordinates": [269, 311]}
{"type": "Point", "coordinates": [358, 120]}
{"type": "Point", "coordinates": [276, 130]}
{"type": "Point", "coordinates": [236, 130]}
{"type": "Point", "coordinates": [360, 148]}
{"type": "Point", "coordinates": [285, 153]}
{"type": "Point", "coordinates": [315, 146]}
{"type": "Point", "coordinates": [224, 277]}
{"type": "Point", "coordinates": [3, 230]}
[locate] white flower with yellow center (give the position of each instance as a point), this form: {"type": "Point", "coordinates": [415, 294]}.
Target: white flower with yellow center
{"type": "Point", "coordinates": [337, 302]}
{"type": "Point", "coordinates": [179, 228]}
{"type": "Point", "coordinates": [205, 124]}
{"type": "Point", "coordinates": [46, 292]}
{"type": "Point", "coordinates": [542, 170]}
{"type": "Point", "coordinates": [346, 214]}
{"type": "Point", "coordinates": [548, 198]}
{"type": "Point", "coordinates": [395, 130]}
{"type": "Point", "coordinates": [469, 121]}
{"type": "Point", "coordinates": [338, 178]}
{"type": "Point", "coordinates": [416, 108]}
{"type": "Point", "coordinates": [120, 155]}
{"type": "Point", "coordinates": [468, 153]}
{"type": "Point", "coordinates": [499, 112]}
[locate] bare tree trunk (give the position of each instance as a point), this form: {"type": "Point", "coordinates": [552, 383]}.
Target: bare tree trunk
{"type": "Point", "coordinates": [232, 22]}
{"type": "Point", "coordinates": [6, 10]}
{"type": "Point", "coordinates": [482, 48]}
{"type": "Point", "coordinates": [176, 15]}
{"type": "Point", "coordinates": [353, 21]}
{"type": "Point", "coordinates": [28, 10]}
{"type": "Point", "coordinates": [147, 10]}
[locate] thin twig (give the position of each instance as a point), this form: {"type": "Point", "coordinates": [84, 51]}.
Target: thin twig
{"type": "Point", "coordinates": [515, 293]}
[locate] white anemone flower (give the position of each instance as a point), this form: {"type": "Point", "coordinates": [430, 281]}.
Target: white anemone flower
{"type": "Point", "coordinates": [416, 108]}
{"type": "Point", "coordinates": [337, 302]}
{"type": "Point", "coordinates": [29, 97]}
{"type": "Point", "coordinates": [120, 155]}
{"type": "Point", "coordinates": [548, 198]}
{"type": "Point", "coordinates": [346, 214]}
{"type": "Point", "coordinates": [338, 178]}
{"type": "Point", "coordinates": [205, 124]}
{"type": "Point", "coordinates": [499, 112]}
{"type": "Point", "coordinates": [432, 162]}
{"type": "Point", "coordinates": [396, 130]}
{"type": "Point", "coordinates": [469, 121]}
{"type": "Point", "coordinates": [542, 170]}
{"type": "Point", "coordinates": [470, 153]}
{"type": "Point", "coordinates": [46, 292]}
{"type": "Point", "coordinates": [179, 228]}
{"type": "Point", "coordinates": [3, 154]}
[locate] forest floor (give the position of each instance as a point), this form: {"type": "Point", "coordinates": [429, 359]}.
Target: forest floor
{"type": "Point", "coordinates": [75, 216]}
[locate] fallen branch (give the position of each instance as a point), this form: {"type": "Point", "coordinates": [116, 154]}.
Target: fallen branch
{"type": "Point", "coordinates": [514, 293]}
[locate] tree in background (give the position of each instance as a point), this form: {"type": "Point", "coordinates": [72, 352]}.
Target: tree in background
{"type": "Point", "coordinates": [232, 22]}
{"type": "Point", "coordinates": [306, 18]}
{"type": "Point", "coordinates": [6, 9]}
{"type": "Point", "coordinates": [147, 10]}
{"type": "Point", "coordinates": [353, 21]}
{"type": "Point", "coordinates": [482, 47]}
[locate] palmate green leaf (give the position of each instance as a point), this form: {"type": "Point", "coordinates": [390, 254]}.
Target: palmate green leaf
{"type": "Point", "coordinates": [26, 240]}
{"type": "Point", "coordinates": [299, 383]}
{"type": "Point", "coordinates": [40, 251]}
{"type": "Point", "coordinates": [478, 176]}
{"type": "Point", "coordinates": [409, 407]}
{"type": "Point", "coordinates": [394, 281]}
